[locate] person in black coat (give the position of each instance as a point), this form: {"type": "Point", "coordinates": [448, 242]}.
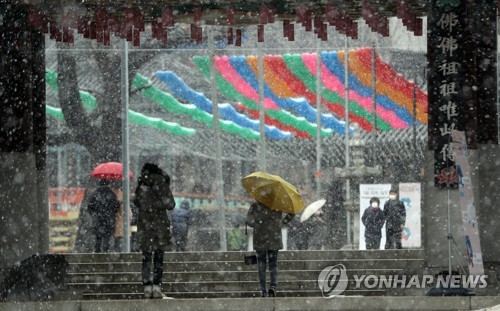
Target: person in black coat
{"type": "Point", "coordinates": [181, 219]}
{"type": "Point", "coordinates": [395, 216]}
{"type": "Point", "coordinates": [103, 205]}
{"type": "Point", "coordinates": [267, 240]}
{"type": "Point", "coordinates": [153, 197]}
{"type": "Point", "coordinates": [373, 219]}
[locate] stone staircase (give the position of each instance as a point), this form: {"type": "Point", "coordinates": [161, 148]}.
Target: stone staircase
{"type": "Point", "coordinates": [224, 274]}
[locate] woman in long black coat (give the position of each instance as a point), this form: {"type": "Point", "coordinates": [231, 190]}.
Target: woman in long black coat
{"type": "Point", "coordinates": [373, 219]}
{"type": "Point", "coordinates": [103, 205]}
{"type": "Point", "coordinates": [153, 198]}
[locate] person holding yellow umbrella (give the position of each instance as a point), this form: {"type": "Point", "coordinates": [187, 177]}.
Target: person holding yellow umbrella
{"type": "Point", "coordinates": [277, 203]}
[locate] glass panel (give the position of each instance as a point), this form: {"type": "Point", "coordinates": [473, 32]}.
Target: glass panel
{"type": "Point", "coordinates": [171, 123]}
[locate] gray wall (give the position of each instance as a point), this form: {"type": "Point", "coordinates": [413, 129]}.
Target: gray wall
{"type": "Point", "coordinates": [485, 166]}
{"type": "Point", "coordinates": [488, 199]}
{"type": "Point", "coordinates": [24, 208]}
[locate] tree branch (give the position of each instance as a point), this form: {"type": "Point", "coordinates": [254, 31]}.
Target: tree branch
{"type": "Point", "coordinates": [69, 98]}
{"type": "Point", "coordinates": [59, 139]}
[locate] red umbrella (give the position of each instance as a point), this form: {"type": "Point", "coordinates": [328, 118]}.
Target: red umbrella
{"type": "Point", "coordinates": [110, 171]}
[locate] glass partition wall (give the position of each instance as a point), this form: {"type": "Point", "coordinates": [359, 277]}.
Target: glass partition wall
{"type": "Point", "coordinates": [273, 98]}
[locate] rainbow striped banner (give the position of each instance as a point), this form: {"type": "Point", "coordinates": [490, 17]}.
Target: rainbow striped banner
{"type": "Point", "coordinates": [290, 85]}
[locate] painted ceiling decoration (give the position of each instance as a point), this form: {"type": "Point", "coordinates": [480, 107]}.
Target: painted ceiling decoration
{"type": "Point", "coordinates": [99, 21]}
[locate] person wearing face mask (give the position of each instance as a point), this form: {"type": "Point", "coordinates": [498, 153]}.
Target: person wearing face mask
{"type": "Point", "coordinates": [373, 219]}
{"type": "Point", "coordinates": [395, 216]}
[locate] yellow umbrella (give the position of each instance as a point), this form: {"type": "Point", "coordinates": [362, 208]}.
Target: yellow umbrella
{"type": "Point", "coordinates": [274, 192]}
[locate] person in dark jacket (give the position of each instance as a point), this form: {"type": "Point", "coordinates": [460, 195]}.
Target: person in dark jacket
{"type": "Point", "coordinates": [395, 217]}
{"type": "Point", "coordinates": [373, 219]}
{"type": "Point", "coordinates": [181, 218]}
{"type": "Point", "coordinates": [103, 205]}
{"type": "Point", "coordinates": [267, 240]}
{"type": "Point", "coordinates": [153, 198]}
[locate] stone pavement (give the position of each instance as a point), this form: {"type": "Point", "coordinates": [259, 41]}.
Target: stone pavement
{"type": "Point", "coordinates": [285, 304]}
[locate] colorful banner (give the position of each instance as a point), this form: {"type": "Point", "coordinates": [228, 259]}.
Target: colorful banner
{"type": "Point", "coordinates": [171, 104]}
{"type": "Point", "coordinates": [290, 83]}
{"type": "Point", "coordinates": [90, 103]}
{"type": "Point", "coordinates": [226, 111]}
{"type": "Point", "coordinates": [282, 116]}
{"type": "Point", "coordinates": [247, 67]}
{"type": "Point", "coordinates": [471, 226]}
{"type": "Point", "coordinates": [411, 195]}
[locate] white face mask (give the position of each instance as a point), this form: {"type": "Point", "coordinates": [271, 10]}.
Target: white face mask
{"type": "Point", "coordinates": [392, 197]}
{"type": "Point", "coordinates": [374, 204]}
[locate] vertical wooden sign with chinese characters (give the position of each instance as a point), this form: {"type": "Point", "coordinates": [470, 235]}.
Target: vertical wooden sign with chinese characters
{"type": "Point", "coordinates": [447, 70]}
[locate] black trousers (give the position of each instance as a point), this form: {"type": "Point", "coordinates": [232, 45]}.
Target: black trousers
{"type": "Point", "coordinates": [157, 257]}
{"type": "Point", "coordinates": [102, 243]}
{"type": "Point", "coordinates": [393, 238]}
{"type": "Point", "coordinates": [373, 241]}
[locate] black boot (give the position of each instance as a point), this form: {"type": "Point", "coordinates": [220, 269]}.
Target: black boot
{"type": "Point", "coordinates": [263, 293]}
{"type": "Point", "coordinates": [272, 292]}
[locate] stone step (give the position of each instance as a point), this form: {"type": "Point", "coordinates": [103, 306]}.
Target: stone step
{"type": "Point", "coordinates": [228, 294]}
{"type": "Point", "coordinates": [224, 274]}
{"type": "Point", "coordinates": [119, 267]}
{"type": "Point", "coordinates": [205, 286]}
{"type": "Point", "coordinates": [198, 276]}
{"type": "Point", "coordinates": [234, 256]}
{"type": "Point", "coordinates": [353, 302]}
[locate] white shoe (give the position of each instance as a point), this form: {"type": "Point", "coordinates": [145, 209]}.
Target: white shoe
{"type": "Point", "coordinates": [148, 291]}
{"type": "Point", "coordinates": [157, 291]}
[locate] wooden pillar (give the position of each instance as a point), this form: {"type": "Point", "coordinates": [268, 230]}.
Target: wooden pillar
{"type": "Point", "coordinates": [23, 186]}
{"type": "Point", "coordinates": [462, 83]}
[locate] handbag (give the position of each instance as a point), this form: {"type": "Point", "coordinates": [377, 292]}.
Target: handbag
{"type": "Point", "coordinates": [250, 260]}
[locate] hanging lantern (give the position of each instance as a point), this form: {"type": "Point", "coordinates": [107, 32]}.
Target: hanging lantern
{"type": "Point", "coordinates": [154, 29]}
{"type": "Point", "coordinates": [286, 31]}
{"type": "Point", "coordinates": [199, 34]}
{"type": "Point", "coordinates": [419, 25]}
{"type": "Point", "coordinates": [230, 37]}
{"type": "Point", "coordinates": [230, 16]}
{"type": "Point", "coordinates": [164, 36]}
{"type": "Point", "coordinates": [324, 32]}
{"type": "Point", "coordinates": [271, 15]}
{"type": "Point", "coordinates": [238, 37]}
{"type": "Point", "coordinates": [376, 22]}
{"type": "Point", "coordinates": [291, 32]}
{"type": "Point", "coordinates": [260, 33]}
{"type": "Point", "coordinates": [138, 26]}
{"type": "Point", "coordinates": [300, 15]}
{"type": "Point", "coordinates": [167, 18]}
{"type": "Point", "coordinates": [128, 24]}
{"type": "Point", "coordinates": [308, 21]}
{"type": "Point", "coordinates": [196, 29]}
{"type": "Point", "coordinates": [263, 14]}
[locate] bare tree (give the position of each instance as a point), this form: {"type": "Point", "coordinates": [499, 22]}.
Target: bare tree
{"type": "Point", "coordinates": [99, 131]}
